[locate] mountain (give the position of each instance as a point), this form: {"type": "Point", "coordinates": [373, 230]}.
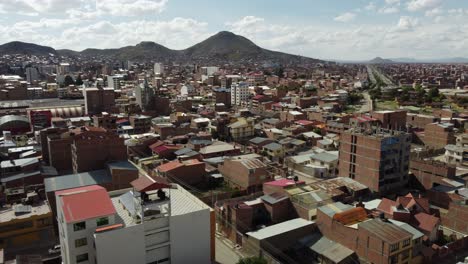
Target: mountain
{"type": "Point", "coordinates": [223, 46]}
{"type": "Point", "coordinates": [18, 47]}
{"type": "Point", "coordinates": [380, 60]}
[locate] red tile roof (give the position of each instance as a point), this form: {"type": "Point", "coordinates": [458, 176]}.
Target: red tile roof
{"type": "Point", "coordinates": [79, 204]}
{"type": "Point", "coordinates": [169, 166]}
{"type": "Point", "coordinates": [426, 222]}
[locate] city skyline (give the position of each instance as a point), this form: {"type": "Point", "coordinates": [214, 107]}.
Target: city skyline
{"type": "Point", "coordinates": [422, 29]}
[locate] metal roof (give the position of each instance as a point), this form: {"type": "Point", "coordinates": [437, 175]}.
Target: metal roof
{"type": "Point", "coordinates": [280, 228]}
{"type": "Point", "coordinates": [331, 250]}
{"type": "Point", "coordinates": [13, 118]}
{"type": "Point", "coordinates": [386, 231]}
{"type": "Point", "coordinates": [75, 180]}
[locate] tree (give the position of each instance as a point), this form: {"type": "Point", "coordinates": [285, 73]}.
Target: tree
{"type": "Point", "coordinates": [79, 81]}
{"type": "Point", "coordinates": [68, 81]}
{"type": "Point", "coordinates": [252, 260]}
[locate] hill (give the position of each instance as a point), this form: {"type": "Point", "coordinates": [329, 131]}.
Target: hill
{"type": "Point", "coordinates": [380, 60]}
{"type": "Point", "coordinates": [223, 46]}
{"type": "Point", "coordinates": [18, 47]}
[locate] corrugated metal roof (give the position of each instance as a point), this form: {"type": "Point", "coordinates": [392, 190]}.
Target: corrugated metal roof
{"type": "Point", "coordinates": [280, 228]}
{"type": "Point", "coordinates": [331, 250]}
{"type": "Point", "coordinates": [386, 231]}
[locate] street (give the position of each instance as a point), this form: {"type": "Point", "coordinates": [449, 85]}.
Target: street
{"type": "Point", "coordinates": [225, 254]}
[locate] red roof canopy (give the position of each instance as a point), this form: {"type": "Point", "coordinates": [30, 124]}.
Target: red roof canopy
{"type": "Point", "coordinates": [144, 184]}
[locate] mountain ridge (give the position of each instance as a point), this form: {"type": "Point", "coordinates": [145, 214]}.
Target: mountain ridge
{"type": "Point", "coordinates": [223, 46]}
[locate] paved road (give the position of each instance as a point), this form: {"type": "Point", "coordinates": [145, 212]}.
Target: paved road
{"type": "Point", "coordinates": [368, 106]}
{"type": "Point", "coordinates": [225, 254]}
{"type": "Point", "coordinates": [373, 72]}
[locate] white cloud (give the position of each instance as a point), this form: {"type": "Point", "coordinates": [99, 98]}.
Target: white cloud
{"type": "Point", "coordinates": [392, 2]}
{"type": "Point", "coordinates": [421, 5]}
{"type": "Point", "coordinates": [346, 17]}
{"type": "Point", "coordinates": [406, 23]}
{"type": "Point", "coordinates": [434, 12]}
{"type": "Point", "coordinates": [130, 7]}
{"type": "Point", "coordinates": [371, 6]}
{"type": "Point", "coordinates": [389, 10]}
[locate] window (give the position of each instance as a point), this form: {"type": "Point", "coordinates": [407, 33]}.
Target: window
{"type": "Point", "coordinates": [406, 243]}
{"type": "Point", "coordinates": [394, 247]}
{"type": "Point", "coordinates": [82, 258]}
{"type": "Point", "coordinates": [79, 226]}
{"type": "Point", "coordinates": [102, 221]}
{"type": "Point", "coordinates": [81, 242]}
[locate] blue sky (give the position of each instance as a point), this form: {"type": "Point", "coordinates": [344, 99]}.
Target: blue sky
{"type": "Point", "coordinates": [326, 29]}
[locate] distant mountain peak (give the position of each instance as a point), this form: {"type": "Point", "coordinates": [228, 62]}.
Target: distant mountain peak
{"type": "Point", "coordinates": [380, 60]}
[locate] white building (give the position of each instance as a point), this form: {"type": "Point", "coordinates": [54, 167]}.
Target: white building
{"type": "Point", "coordinates": [158, 68]}
{"type": "Point", "coordinates": [151, 223]}
{"type": "Point", "coordinates": [32, 74]}
{"type": "Point", "coordinates": [63, 68]}
{"type": "Point", "coordinates": [187, 89]}
{"type": "Point", "coordinates": [113, 81]}
{"type": "Point", "coordinates": [209, 70]}
{"type": "Point", "coordinates": [240, 93]}
{"type": "Point", "coordinates": [35, 92]}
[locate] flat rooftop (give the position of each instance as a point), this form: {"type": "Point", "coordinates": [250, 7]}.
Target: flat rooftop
{"type": "Point", "coordinates": [7, 214]}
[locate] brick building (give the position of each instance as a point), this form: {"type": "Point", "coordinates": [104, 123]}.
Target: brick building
{"type": "Point", "coordinates": [439, 135]}
{"type": "Point", "coordinates": [379, 159]}
{"type": "Point", "coordinates": [99, 100]}
{"type": "Point", "coordinates": [395, 120]}
{"type": "Point", "coordinates": [245, 173]}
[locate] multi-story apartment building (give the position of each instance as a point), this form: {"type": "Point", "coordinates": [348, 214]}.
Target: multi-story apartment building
{"type": "Point", "coordinates": [377, 158]}
{"type": "Point", "coordinates": [106, 121]}
{"type": "Point", "coordinates": [148, 224]}
{"type": "Point", "coordinates": [92, 147]}
{"type": "Point", "coordinates": [240, 94]}
{"type": "Point", "coordinates": [99, 100]}
{"type": "Point", "coordinates": [140, 123]}
{"type": "Point", "coordinates": [439, 135]}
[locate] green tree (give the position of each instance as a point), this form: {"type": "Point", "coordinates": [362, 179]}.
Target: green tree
{"type": "Point", "coordinates": [79, 81]}
{"type": "Point", "coordinates": [252, 260]}
{"type": "Point", "coordinates": [68, 81]}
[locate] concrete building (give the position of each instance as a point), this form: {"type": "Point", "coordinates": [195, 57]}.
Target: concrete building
{"type": "Point", "coordinates": [140, 123]}
{"type": "Point", "coordinates": [458, 154]}
{"type": "Point", "coordinates": [242, 129]}
{"type": "Point", "coordinates": [63, 68]}
{"type": "Point", "coordinates": [113, 81]}
{"type": "Point", "coordinates": [378, 159]}
{"type": "Point", "coordinates": [240, 94]}
{"type": "Point", "coordinates": [32, 74]}
{"type": "Point", "coordinates": [148, 224]}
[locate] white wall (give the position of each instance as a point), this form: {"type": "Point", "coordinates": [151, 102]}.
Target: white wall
{"type": "Point", "coordinates": [190, 238]}
{"type": "Point", "coordinates": [121, 246]}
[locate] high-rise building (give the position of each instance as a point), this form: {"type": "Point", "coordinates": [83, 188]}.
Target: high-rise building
{"type": "Point", "coordinates": [113, 81]}
{"type": "Point", "coordinates": [149, 224]}
{"type": "Point", "coordinates": [240, 94]}
{"type": "Point", "coordinates": [376, 158]}
{"type": "Point", "coordinates": [32, 74]}
{"type": "Point", "coordinates": [158, 68]}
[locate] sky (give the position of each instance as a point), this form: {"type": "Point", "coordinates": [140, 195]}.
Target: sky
{"type": "Point", "coordinates": [324, 29]}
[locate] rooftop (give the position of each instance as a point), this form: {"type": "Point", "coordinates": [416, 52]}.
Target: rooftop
{"type": "Point", "coordinates": [79, 204]}
{"type": "Point", "coordinates": [75, 180]}
{"type": "Point", "coordinates": [279, 229]}
{"type": "Point", "coordinates": [8, 213]}
{"type": "Point", "coordinates": [386, 231]}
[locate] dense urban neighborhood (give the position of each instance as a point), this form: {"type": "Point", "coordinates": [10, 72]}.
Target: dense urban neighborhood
{"type": "Point", "coordinates": [226, 152]}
